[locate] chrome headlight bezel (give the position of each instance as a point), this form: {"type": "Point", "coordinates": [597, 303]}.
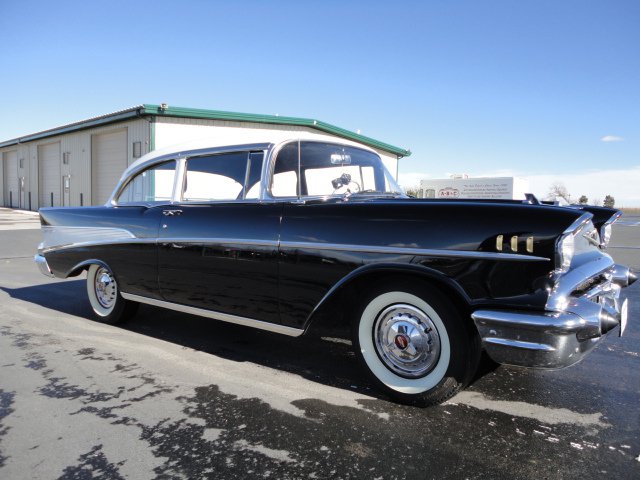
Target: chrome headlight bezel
{"type": "Point", "coordinates": [565, 250]}
{"type": "Point", "coordinates": [566, 244]}
{"type": "Point", "coordinates": [606, 228]}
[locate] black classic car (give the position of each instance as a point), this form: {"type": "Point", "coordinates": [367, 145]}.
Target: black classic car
{"type": "Point", "coordinates": [279, 234]}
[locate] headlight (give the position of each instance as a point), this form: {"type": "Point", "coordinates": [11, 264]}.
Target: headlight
{"type": "Point", "coordinates": [566, 248]}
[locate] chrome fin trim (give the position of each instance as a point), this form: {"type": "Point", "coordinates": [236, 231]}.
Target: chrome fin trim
{"type": "Point", "coordinates": [225, 317]}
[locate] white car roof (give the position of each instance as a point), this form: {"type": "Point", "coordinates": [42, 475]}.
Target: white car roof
{"type": "Point", "coordinates": [258, 137]}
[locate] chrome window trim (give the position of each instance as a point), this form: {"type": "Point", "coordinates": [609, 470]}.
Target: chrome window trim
{"type": "Point", "coordinates": [179, 156]}
{"type": "Point", "coordinates": [225, 317]}
{"type": "Point", "coordinates": [123, 182]}
{"type": "Point", "coordinates": [248, 149]}
{"type": "Point", "coordinates": [269, 168]}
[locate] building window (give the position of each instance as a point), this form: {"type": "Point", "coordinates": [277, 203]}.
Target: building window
{"type": "Point", "coordinates": [137, 149]}
{"type": "Point", "coordinates": [22, 163]}
{"type": "Point", "coordinates": [65, 158]}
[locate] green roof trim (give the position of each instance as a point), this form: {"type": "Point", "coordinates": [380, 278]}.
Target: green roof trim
{"type": "Point", "coordinates": [180, 112]}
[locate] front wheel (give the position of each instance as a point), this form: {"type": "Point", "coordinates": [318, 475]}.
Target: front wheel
{"type": "Point", "coordinates": [104, 296]}
{"type": "Point", "coordinates": [415, 344]}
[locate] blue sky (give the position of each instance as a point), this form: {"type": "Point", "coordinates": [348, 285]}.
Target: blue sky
{"type": "Point", "coordinates": [524, 88]}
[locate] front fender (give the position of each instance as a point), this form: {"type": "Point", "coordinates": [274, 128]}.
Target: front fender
{"type": "Point", "coordinates": [389, 269]}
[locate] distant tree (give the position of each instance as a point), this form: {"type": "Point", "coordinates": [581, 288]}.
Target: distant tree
{"type": "Point", "coordinates": [559, 190]}
{"type": "Point", "coordinates": [597, 202]}
{"type": "Point", "coordinates": [609, 201]}
{"type": "Point", "coordinates": [413, 191]}
{"type": "Point", "coordinates": [583, 200]}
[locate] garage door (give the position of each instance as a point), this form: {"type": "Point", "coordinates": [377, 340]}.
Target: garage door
{"type": "Point", "coordinates": [108, 161]}
{"type": "Point", "coordinates": [10, 178]}
{"type": "Point", "coordinates": [49, 175]}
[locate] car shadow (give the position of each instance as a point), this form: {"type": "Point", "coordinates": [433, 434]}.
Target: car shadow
{"type": "Point", "coordinates": [320, 356]}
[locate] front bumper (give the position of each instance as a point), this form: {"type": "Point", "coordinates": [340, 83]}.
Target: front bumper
{"type": "Point", "coordinates": [43, 265]}
{"type": "Point", "coordinates": [574, 322]}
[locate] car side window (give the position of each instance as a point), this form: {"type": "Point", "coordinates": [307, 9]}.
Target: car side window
{"type": "Point", "coordinates": [226, 176]}
{"type": "Point", "coordinates": [152, 185]}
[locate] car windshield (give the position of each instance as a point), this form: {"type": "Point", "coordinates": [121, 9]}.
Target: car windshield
{"type": "Point", "coordinates": [322, 169]}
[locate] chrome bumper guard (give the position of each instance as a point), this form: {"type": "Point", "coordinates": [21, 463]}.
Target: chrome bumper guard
{"type": "Point", "coordinates": [43, 265]}
{"type": "Point", "coordinates": [576, 319]}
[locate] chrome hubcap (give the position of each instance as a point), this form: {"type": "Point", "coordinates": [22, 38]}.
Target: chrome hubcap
{"type": "Point", "coordinates": [105, 287]}
{"type": "Point", "coordinates": [406, 340]}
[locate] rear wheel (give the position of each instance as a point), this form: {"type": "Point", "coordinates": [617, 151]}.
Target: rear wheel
{"type": "Point", "coordinates": [415, 344]}
{"type": "Point", "coordinates": [104, 296]}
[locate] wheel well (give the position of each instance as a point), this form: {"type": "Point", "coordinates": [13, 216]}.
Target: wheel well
{"type": "Point", "coordinates": [78, 269]}
{"type": "Point", "coordinates": [336, 311]}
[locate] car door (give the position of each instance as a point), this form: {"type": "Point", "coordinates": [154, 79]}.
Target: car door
{"type": "Point", "coordinates": [129, 228]}
{"type": "Point", "coordinates": [218, 246]}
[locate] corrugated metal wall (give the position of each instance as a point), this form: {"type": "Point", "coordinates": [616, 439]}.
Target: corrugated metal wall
{"type": "Point", "coordinates": [77, 146]}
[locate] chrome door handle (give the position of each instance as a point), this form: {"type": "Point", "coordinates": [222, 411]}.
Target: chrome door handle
{"type": "Point", "coordinates": [170, 213]}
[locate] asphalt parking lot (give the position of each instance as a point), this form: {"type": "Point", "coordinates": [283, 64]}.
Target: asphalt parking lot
{"type": "Point", "coordinates": [174, 396]}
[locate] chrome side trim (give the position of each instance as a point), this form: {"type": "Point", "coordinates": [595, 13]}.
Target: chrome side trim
{"type": "Point", "coordinates": [220, 241]}
{"type": "Point", "coordinates": [160, 241]}
{"type": "Point", "coordinates": [98, 243]}
{"type": "Point", "coordinates": [312, 246]}
{"type": "Point", "coordinates": [225, 317]}
{"type": "Point", "coordinates": [414, 251]}
{"type": "Point", "coordinates": [57, 236]}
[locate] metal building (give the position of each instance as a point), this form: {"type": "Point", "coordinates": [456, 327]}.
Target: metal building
{"type": "Point", "coordinates": [80, 163]}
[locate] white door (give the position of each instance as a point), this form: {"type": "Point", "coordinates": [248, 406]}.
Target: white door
{"type": "Point", "coordinates": [108, 161]}
{"type": "Point", "coordinates": [11, 185]}
{"type": "Point", "coordinates": [49, 175]}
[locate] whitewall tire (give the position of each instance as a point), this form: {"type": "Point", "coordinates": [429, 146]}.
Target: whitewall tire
{"type": "Point", "coordinates": [414, 343]}
{"type": "Point", "coordinates": [104, 296]}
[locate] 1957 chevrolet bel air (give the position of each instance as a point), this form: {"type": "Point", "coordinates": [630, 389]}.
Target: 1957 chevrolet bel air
{"type": "Point", "coordinates": [276, 235]}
